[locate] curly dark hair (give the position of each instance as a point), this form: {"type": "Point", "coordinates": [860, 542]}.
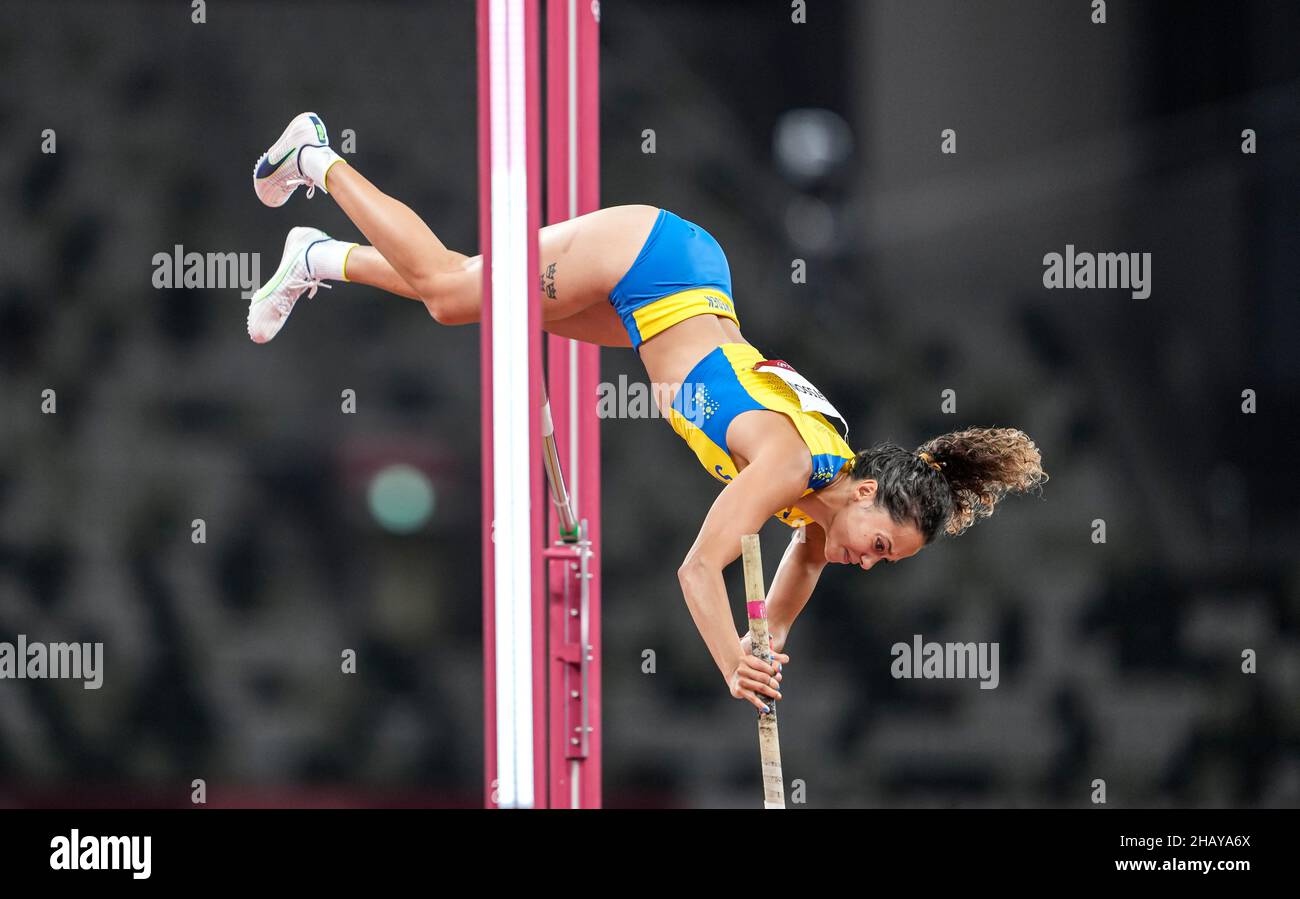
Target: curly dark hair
{"type": "Point", "coordinates": [945, 484]}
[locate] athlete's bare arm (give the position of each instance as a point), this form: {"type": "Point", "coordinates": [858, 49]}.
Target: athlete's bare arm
{"type": "Point", "coordinates": [773, 479]}
{"type": "Point", "coordinates": [801, 567]}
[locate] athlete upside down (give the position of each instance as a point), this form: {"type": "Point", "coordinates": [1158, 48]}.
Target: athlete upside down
{"type": "Point", "coordinates": [642, 277]}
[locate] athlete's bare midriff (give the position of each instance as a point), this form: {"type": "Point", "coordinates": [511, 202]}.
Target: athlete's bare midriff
{"type": "Point", "coordinates": [669, 356]}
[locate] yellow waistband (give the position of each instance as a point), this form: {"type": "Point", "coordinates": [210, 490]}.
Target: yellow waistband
{"type": "Point", "coordinates": [665, 312]}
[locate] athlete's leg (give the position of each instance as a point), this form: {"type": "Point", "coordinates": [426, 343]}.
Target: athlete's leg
{"type": "Point", "coordinates": [580, 260]}
{"type": "Point", "coordinates": [594, 324]}
{"type": "Point", "coordinates": [366, 265]}
{"type": "Point", "coordinates": [392, 228]}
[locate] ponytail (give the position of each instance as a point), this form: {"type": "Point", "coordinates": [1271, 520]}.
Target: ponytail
{"type": "Point", "coordinates": [949, 482]}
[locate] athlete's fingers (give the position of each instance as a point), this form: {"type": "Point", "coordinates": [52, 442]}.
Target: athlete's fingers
{"type": "Point", "coordinates": [760, 686]}
{"type": "Point", "coordinates": [759, 666]}
{"type": "Point", "coordinates": [763, 674]}
{"type": "Point", "coordinates": [757, 701]}
{"type": "Point", "coordinates": [770, 680]}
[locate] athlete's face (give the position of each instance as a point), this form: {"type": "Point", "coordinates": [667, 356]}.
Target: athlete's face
{"type": "Point", "coordinates": [863, 534]}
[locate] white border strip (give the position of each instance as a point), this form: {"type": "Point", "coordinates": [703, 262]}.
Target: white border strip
{"type": "Point", "coordinates": [512, 449]}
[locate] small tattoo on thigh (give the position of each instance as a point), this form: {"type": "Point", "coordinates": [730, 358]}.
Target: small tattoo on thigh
{"type": "Point", "coordinates": [547, 282]}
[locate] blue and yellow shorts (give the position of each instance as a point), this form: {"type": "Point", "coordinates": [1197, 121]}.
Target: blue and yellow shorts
{"type": "Point", "coordinates": [681, 272]}
{"type": "Point", "coordinates": [723, 385]}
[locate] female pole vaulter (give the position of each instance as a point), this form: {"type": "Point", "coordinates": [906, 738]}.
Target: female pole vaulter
{"type": "Point", "coordinates": [642, 277]}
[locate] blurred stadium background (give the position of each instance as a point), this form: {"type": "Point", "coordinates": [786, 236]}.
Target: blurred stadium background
{"type": "Point", "coordinates": [818, 142]}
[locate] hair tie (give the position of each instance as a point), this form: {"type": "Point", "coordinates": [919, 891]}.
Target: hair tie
{"type": "Point", "coordinates": [929, 460]}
